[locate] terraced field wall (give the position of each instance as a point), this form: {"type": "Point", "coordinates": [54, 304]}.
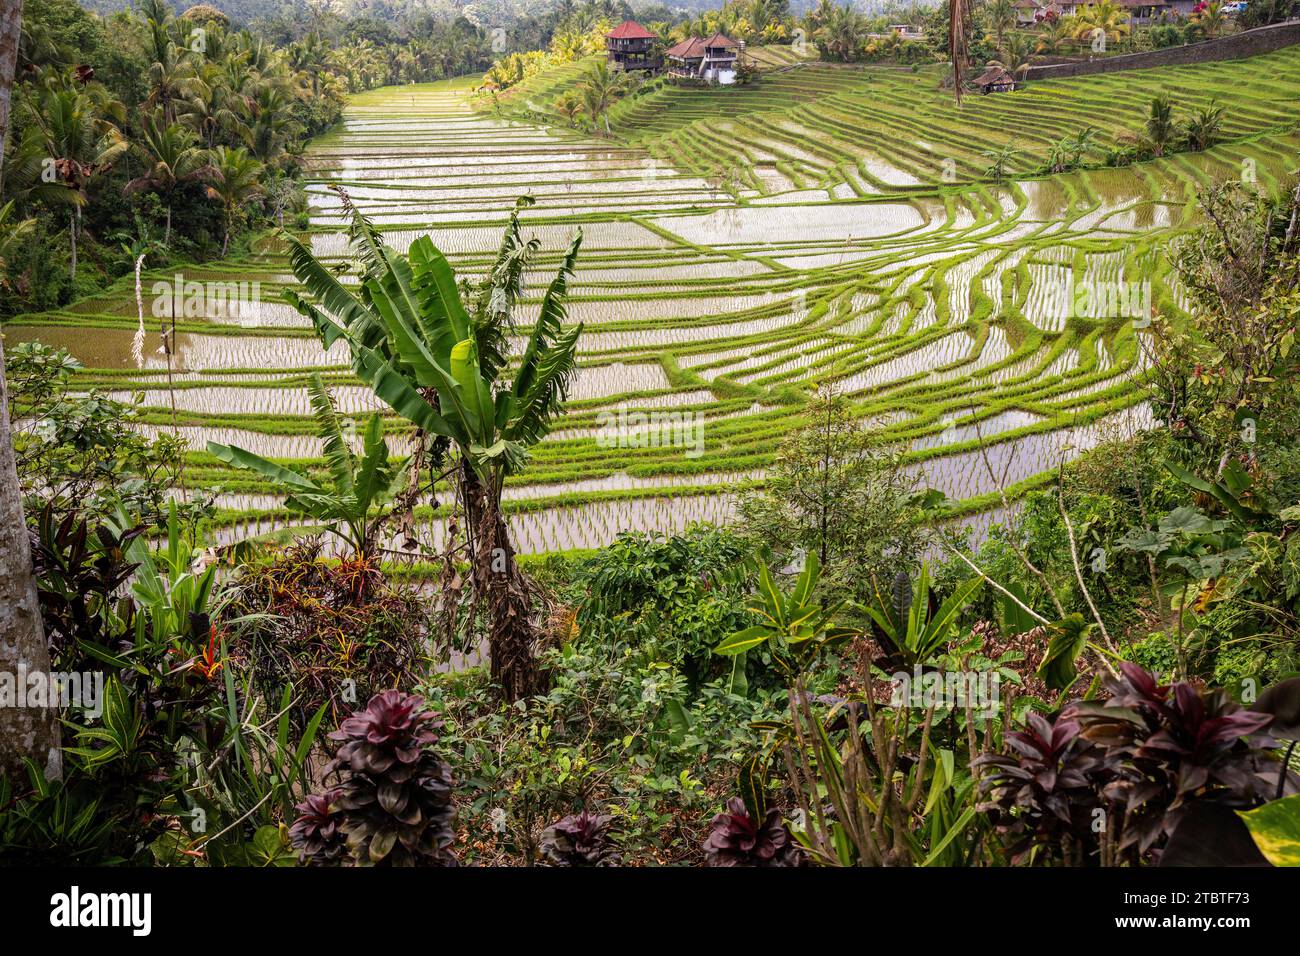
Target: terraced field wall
{"type": "Point", "coordinates": [1239, 46]}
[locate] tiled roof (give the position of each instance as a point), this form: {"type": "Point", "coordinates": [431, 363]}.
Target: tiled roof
{"type": "Point", "coordinates": [692, 48]}
{"type": "Point", "coordinates": [994, 74]}
{"type": "Point", "coordinates": [630, 30]}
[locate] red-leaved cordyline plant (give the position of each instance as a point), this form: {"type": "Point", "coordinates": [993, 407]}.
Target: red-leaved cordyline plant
{"type": "Point", "coordinates": [581, 839]}
{"type": "Point", "coordinates": [1172, 745]}
{"type": "Point", "coordinates": [317, 834]}
{"type": "Point", "coordinates": [394, 796]}
{"type": "Point", "coordinates": [736, 839]}
{"type": "Point", "coordinates": [1109, 781]}
{"type": "Point", "coordinates": [1047, 793]}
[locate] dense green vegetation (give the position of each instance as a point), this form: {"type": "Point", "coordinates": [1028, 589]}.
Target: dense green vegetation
{"type": "Point", "coordinates": [810, 472]}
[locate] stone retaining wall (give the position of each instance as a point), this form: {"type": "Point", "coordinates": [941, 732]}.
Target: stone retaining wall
{"type": "Point", "coordinates": [1235, 47]}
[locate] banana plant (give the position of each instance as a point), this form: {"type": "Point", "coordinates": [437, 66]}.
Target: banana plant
{"type": "Point", "coordinates": [791, 626]}
{"type": "Point", "coordinates": [414, 342]}
{"type": "Point", "coordinates": [352, 505]}
{"type": "Point", "coordinates": [410, 334]}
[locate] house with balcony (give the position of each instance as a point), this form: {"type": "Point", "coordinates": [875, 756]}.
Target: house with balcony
{"type": "Point", "coordinates": [711, 59]}
{"type": "Point", "coordinates": [630, 46]}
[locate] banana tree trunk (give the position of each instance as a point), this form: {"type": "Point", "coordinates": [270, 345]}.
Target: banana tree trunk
{"type": "Point", "coordinates": [25, 732]}
{"type": "Point", "coordinates": [498, 581]}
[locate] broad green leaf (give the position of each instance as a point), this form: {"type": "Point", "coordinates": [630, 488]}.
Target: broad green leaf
{"type": "Point", "coordinates": [1069, 637]}
{"type": "Point", "coordinates": [1275, 828]}
{"type": "Point", "coordinates": [743, 640]}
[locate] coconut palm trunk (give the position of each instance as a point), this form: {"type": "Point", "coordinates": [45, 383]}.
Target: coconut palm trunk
{"type": "Point", "coordinates": [25, 732]}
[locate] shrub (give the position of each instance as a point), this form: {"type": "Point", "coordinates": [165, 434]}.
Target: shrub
{"type": "Point", "coordinates": [315, 624]}
{"type": "Point", "coordinates": [318, 834]}
{"type": "Point", "coordinates": [581, 839]}
{"type": "Point", "coordinates": [671, 596]}
{"type": "Point", "coordinates": [1176, 744]}
{"type": "Point", "coordinates": [1045, 794]}
{"type": "Point", "coordinates": [735, 839]}
{"type": "Point", "coordinates": [393, 802]}
{"type": "Point", "coordinates": [1144, 758]}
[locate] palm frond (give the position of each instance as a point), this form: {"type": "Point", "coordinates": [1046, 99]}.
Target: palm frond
{"type": "Point", "coordinates": [346, 313]}
{"type": "Point", "coordinates": [499, 292]}
{"type": "Point", "coordinates": [337, 453]}
{"type": "Point", "coordinates": [376, 479]}
{"type": "Point", "coordinates": [550, 320]}
{"type": "Point", "coordinates": [438, 295]}
{"type": "Point", "coordinates": [393, 388]}
{"type": "Point", "coordinates": [554, 371]}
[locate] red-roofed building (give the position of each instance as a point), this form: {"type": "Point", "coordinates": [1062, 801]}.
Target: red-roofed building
{"type": "Point", "coordinates": [712, 59]}
{"type": "Point", "coordinates": [630, 46]}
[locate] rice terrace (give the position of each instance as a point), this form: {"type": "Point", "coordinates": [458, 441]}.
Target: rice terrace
{"type": "Point", "coordinates": [655, 289]}
{"type": "Point", "coordinates": [741, 247]}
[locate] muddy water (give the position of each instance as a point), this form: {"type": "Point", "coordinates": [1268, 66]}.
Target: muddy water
{"type": "Point", "coordinates": [114, 349]}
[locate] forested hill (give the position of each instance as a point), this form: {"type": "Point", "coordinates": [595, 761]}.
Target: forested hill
{"type": "Point", "coordinates": [482, 12]}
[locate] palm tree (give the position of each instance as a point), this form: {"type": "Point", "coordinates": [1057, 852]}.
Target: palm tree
{"type": "Point", "coordinates": [1014, 56]}
{"type": "Point", "coordinates": [169, 67]}
{"type": "Point", "coordinates": [309, 56]}
{"type": "Point", "coordinates": [434, 362]}
{"type": "Point", "coordinates": [209, 108]}
{"type": "Point", "coordinates": [80, 142]}
{"type": "Point", "coordinates": [822, 13]}
{"type": "Point", "coordinates": [172, 158]}
{"type": "Point", "coordinates": [1068, 152]}
{"type": "Point", "coordinates": [600, 89]}
{"type": "Point", "coordinates": [1055, 38]}
{"type": "Point", "coordinates": [272, 125]}
{"type": "Point", "coordinates": [236, 182]}
{"type": "Point", "coordinates": [1104, 19]}
{"type": "Point", "coordinates": [570, 105]}
{"type": "Point", "coordinates": [1159, 125]}
{"type": "Point", "coordinates": [1204, 127]}
{"type": "Point", "coordinates": [25, 732]}
{"type": "Point", "coordinates": [1080, 143]}
{"type": "Point", "coordinates": [842, 33]}
{"type": "Point", "coordinates": [352, 506]}
{"type": "Point", "coordinates": [26, 175]}
{"type": "Point", "coordinates": [1002, 17]}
